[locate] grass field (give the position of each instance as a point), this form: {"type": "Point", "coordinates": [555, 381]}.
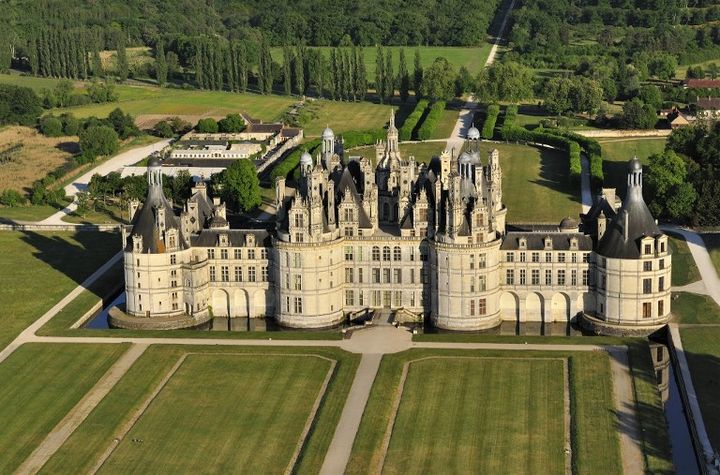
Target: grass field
{"type": "Point", "coordinates": [482, 416]}
{"type": "Point", "coordinates": [27, 213]}
{"type": "Point", "coordinates": [41, 268]}
{"type": "Point", "coordinates": [345, 116]}
{"type": "Point", "coordinates": [472, 58]}
{"type": "Point", "coordinates": [536, 187]}
{"type": "Point", "coordinates": [38, 156]}
{"type": "Point", "coordinates": [712, 242]}
{"type": "Point", "coordinates": [692, 308]}
{"type": "Point", "coordinates": [41, 383]}
{"type": "Point", "coordinates": [616, 154]}
{"type": "Point", "coordinates": [703, 354]}
{"type": "Point", "coordinates": [431, 397]}
{"type": "Point", "coordinates": [251, 419]}
{"type": "Point", "coordinates": [684, 269]}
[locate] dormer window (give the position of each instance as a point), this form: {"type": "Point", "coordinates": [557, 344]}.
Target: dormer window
{"type": "Point", "coordinates": [523, 243]}
{"type": "Point", "coordinates": [223, 240]}
{"type": "Point", "coordinates": [548, 243]}
{"type": "Point", "coordinates": [573, 243]}
{"type": "Point", "coordinates": [250, 240]}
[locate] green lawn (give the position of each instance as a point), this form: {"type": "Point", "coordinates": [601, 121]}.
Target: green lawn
{"type": "Point", "coordinates": [27, 213]}
{"type": "Point", "coordinates": [536, 187]}
{"type": "Point", "coordinates": [712, 242]}
{"type": "Point", "coordinates": [446, 125]}
{"type": "Point", "coordinates": [437, 398]}
{"type": "Point", "coordinates": [472, 58]}
{"type": "Point", "coordinates": [692, 308]}
{"type": "Point", "coordinates": [616, 154]}
{"type": "Point", "coordinates": [40, 268]}
{"type": "Point", "coordinates": [346, 116]}
{"type": "Point", "coordinates": [243, 408]}
{"type": "Point", "coordinates": [684, 269]}
{"type": "Point", "coordinates": [703, 354]}
{"type": "Point", "coordinates": [481, 416]}
{"type": "Point", "coordinates": [40, 384]}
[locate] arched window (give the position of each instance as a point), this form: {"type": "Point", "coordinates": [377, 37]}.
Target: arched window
{"type": "Point", "coordinates": [386, 253]}
{"type": "Point", "coordinates": [397, 255]}
{"type": "Point", "coordinates": [375, 253]}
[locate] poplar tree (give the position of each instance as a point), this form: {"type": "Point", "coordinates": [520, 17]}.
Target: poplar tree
{"type": "Point", "coordinates": [287, 70]}
{"type": "Point", "coordinates": [161, 68]}
{"type": "Point", "coordinates": [242, 66]}
{"type": "Point", "coordinates": [230, 68]}
{"type": "Point", "coordinates": [362, 74]}
{"type": "Point", "coordinates": [299, 70]}
{"type": "Point", "coordinates": [97, 68]}
{"type": "Point", "coordinates": [403, 77]}
{"type": "Point", "coordinates": [417, 74]}
{"type": "Point", "coordinates": [389, 77]}
{"type": "Point", "coordinates": [265, 70]}
{"type": "Point", "coordinates": [122, 61]}
{"type": "Point", "coordinates": [379, 74]}
{"type": "Point", "coordinates": [198, 64]}
{"type": "Point", "coordinates": [349, 75]}
{"type": "Point", "coordinates": [219, 58]}
{"type": "Point", "coordinates": [334, 73]}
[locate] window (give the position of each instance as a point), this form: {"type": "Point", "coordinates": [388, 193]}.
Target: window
{"type": "Point", "coordinates": [647, 266]}
{"type": "Point", "coordinates": [573, 277]}
{"type": "Point", "coordinates": [561, 277]}
{"type": "Point", "coordinates": [661, 308]}
{"type": "Point", "coordinates": [472, 261]}
{"type": "Point", "coordinates": [251, 253]}
{"type": "Point", "coordinates": [535, 256]}
{"type": "Point", "coordinates": [348, 253]}
{"type": "Point", "coordinates": [522, 277]}
{"type": "Point", "coordinates": [423, 253]}
{"type": "Point", "coordinates": [603, 282]}
{"type": "Point", "coordinates": [661, 264]}
{"type": "Point", "coordinates": [573, 257]}
{"type": "Point", "coordinates": [647, 286]}
{"type": "Point", "coordinates": [223, 253]}
{"type": "Point", "coordinates": [251, 274]}
{"type": "Point", "coordinates": [211, 253]}
{"type": "Point", "coordinates": [212, 273]}
{"type": "Point", "coordinates": [298, 220]}
{"type": "Point", "coordinates": [397, 254]}
{"type": "Point", "coordinates": [297, 258]}
{"type": "Point", "coordinates": [349, 298]}
{"type": "Point", "coordinates": [376, 275]}
{"type": "Point", "coordinates": [224, 273]}
{"type": "Point", "coordinates": [509, 257]}
{"type": "Point", "coordinates": [238, 274]}
{"type": "Point", "coordinates": [264, 273]}
{"type": "Point", "coordinates": [297, 282]}
{"type": "Point", "coordinates": [238, 253]}
{"type": "Point", "coordinates": [263, 253]}
{"type": "Point", "coordinates": [522, 257]}
{"type": "Point", "coordinates": [423, 276]}
{"type": "Point", "coordinates": [412, 253]}
{"type": "Point", "coordinates": [510, 277]}
{"type": "Point", "coordinates": [173, 259]}
{"type": "Point", "coordinates": [375, 253]}
{"type": "Point", "coordinates": [412, 276]}
{"type": "Point", "coordinates": [348, 232]}
{"type": "Point", "coordinates": [482, 306]}
{"type": "Point", "coordinates": [472, 308]}
{"type": "Point", "coordinates": [360, 275]}
{"type": "Point", "coordinates": [361, 298]}
{"type": "Point", "coordinates": [585, 256]}
{"type": "Point", "coordinates": [397, 276]}
{"type": "Point", "coordinates": [648, 248]}
{"type": "Point", "coordinates": [298, 237]}
{"type": "Point", "coordinates": [535, 277]}
{"type": "Point", "coordinates": [585, 277]}
{"type": "Point", "coordinates": [548, 257]}
{"type": "Point", "coordinates": [298, 305]}
{"type": "Point", "coordinates": [397, 298]}
{"type": "Point", "coordinates": [661, 284]}
{"type": "Point", "coordinates": [349, 276]}
{"type": "Point", "coordinates": [386, 276]}
{"type": "Point", "coordinates": [662, 247]}
{"type": "Point", "coordinates": [647, 310]}
{"type": "Point", "coordinates": [482, 261]}
{"type": "Point", "coordinates": [386, 253]}
{"type": "Point", "coordinates": [561, 257]}
{"type": "Point", "coordinates": [548, 277]}
{"type": "Point", "coordinates": [482, 283]}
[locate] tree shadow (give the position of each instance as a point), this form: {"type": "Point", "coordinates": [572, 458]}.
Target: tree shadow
{"type": "Point", "coordinates": [554, 174]}
{"type": "Point", "coordinates": [69, 147]}
{"type": "Point", "coordinates": [615, 176]}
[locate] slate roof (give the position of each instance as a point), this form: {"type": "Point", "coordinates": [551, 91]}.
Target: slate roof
{"type": "Point", "coordinates": [536, 241]}
{"type": "Point", "coordinates": [348, 183]}
{"type": "Point", "coordinates": [236, 237]}
{"type": "Point", "coordinates": [143, 223]}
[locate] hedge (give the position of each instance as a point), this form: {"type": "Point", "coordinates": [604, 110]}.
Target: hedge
{"type": "Point", "coordinates": [290, 162]}
{"type": "Point", "coordinates": [594, 152]}
{"type": "Point", "coordinates": [488, 128]}
{"type": "Point", "coordinates": [411, 121]}
{"type": "Point", "coordinates": [575, 162]}
{"type": "Point", "coordinates": [511, 113]}
{"type": "Point", "coordinates": [431, 121]}
{"type": "Point", "coordinates": [365, 137]}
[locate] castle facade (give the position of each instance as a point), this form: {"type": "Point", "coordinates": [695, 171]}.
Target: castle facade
{"type": "Point", "coordinates": [427, 241]}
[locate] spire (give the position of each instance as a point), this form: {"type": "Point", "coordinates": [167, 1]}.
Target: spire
{"type": "Point", "coordinates": [392, 120]}
{"type": "Point", "coordinates": [392, 134]}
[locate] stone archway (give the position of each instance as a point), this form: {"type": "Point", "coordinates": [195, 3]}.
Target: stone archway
{"type": "Point", "coordinates": [241, 304]}
{"type": "Point", "coordinates": [560, 308]}
{"type": "Point", "coordinates": [221, 303]}
{"type": "Point", "coordinates": [510, 307]}
{"type": "Point", "coordinates": [534, 307]}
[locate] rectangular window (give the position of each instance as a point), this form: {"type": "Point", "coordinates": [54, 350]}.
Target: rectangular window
{"type": "Point", "coordinates": [472, 308]}
{"type": "Point", "coordinates": [573, 257]}
{"type": "Point", "coordinates": [522, 257]}
{"type": "Point", "coordinates": [348, 253]}
{"type": "Point", "coordinates": [386, 276]}
{"type": "Point", "coordinates": [264, 273]}
{"type": "Point", "coordinates": [361, 298]}
{"type": "Point", "coordinates": [509, 257]}
{"type": "Point", "coordinates": [585, 277]}
{"type": "Point", "coordinates": [522, 277]}
{"type": "Point", "coordinates": [648, 248]}
{"type": "Point", "coordinates": [223, 253]}
{"type": "Point", "coordinates": [647, 310]}
{"type": "Point", "coordinates": [397, 298]}
{"type": "Point", "coordinates": [423, 276]}
{"type": "Point", "coordinates": [561, 257]}
{"type": "Point", "coordinates": [297, 259]}
{"type": "Point", "coordinates": [647, 286]}
{"type": "Point", "coordinates": [472, 261]}
{"type": "Point", "coordinates": [482, 307]}
{"type": "Point", "coordinates": [263, 253]}
{"type": "Point", "coordinates": [397, 276]}
{"type": "Point", "coordinates": [349, 276]}
{"type": "Point", "coordinates": [376, 275]}
{"type": "Point", "coordinates": [548, 277]}
{"type": "Point", "coordinates": [173, 259]}
{"type": "Point", "coordinates": [298, 305]}
{"type": "Point", "coordinates": [251, 253]}
{"type": "Point", "coordinates": [535, 277]}
{"type": "Point", "coordinates": [482, 283]}
{"type": "Point", "coordinates": [349, 298]}
{"type": "Point", "coordinates": [585, 257]}
{"type": "Point", "coordinates": [661, 284]}
{"type": "Point", "coordinates": [212, 273]}
{"type": "Point", "coordinates": [573, 277]}
{"type": "Point", "coordinates": [211, 253]}
{"type": "Point", "coordinates": [548, 257]}
{"type": "Point", "coordinates": [510, 277]}
{"type": "Point", "coordinates": [647, 266]}
{"type": "Point", "coordinates": [297, 282]}
{"type": "Point", "coordinates": [251, 274]}
{"type": "Point", "coordinates": [412, 276]}
{"type": "Point", "coordinates": [661, 308]}
{"type": "Point", "coordinates": [224, 273]}
{"type": "Point", "coordinates": [360, 275]}
{"type": "Point", "coordinates": [482, 261]}
{"type": "Point", "coordinates": [561, 277]}
{"type": "Point", "coordinates": [661, 264]}
{"type": "Point", "coordinates": [535, 256]}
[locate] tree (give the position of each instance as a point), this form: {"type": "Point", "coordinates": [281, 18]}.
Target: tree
{"type": "Point", "coordinates": [18, 105]}
{"type": "Point", "coordinates": [71, 124]}
{"type": "Point", "coordinates": [207, 125]}
{"type": "Point", "coordinates": [389, 77]}
{"type": "Point", "coordinates": [638, 115]}
{"type": "Point", "coordinates": [241, 185]}
{"type": "Point", "coordinates": [122, 123]}
{"type": "Point", "coordinates": [122, 60]}
{"type": "Point", "coordinates": [662, 66]}
{"type": "Point", "coordinates": [380, 74]}
{"type": "Point", "coordinates": [506, 81]}
{"type": "Point", "coordinates": [63, 91]}
{"type": "Point", "coordinates": [98, 140]}
{"type": "Point", "coordinates": [403, 80]}
{"type": "Point", "coordinates": [163, 129]}
{"type": "Point", "coordinates": [173, 63]}
{"type": "Point", "coordinates": [161, 66]}
{"type": "Point", "coordinates": [361, 75]}
{"type": "Point", "coordinates": [231, 123]}
{"type": "Point", "coordinates": [417, 74]}
{"type": "Point", "coordinates": [463, 82]}
{"type": "Point", "coordinates": [100, 92]}
{"type": "Point", "coordinates": [265, 76]}
{"type": "Point", "coordinates": [438, 81]}
{"type": "Point", "coordinates": [83, 203]}
{"type": "Point", "coordinates": [651, 95]}
{"type": "Point", "coordinates": [51, 126]}
{"type": "Point", "coordinates": [670, 193]}
{"type": "Point", "coordinates": [298, 67]}
{"type": "Point", "coordinates": [287, 70]}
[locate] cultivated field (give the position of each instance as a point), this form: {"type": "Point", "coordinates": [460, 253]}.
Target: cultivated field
{"type": "Point", "coordinates": [488, 412]}
{"type": "Point", "coordinates": [41, 268]}
{"type": "Point", "coordinates": [223, 408]}
{"type": "Point", "coordinates": [616, 154]}
{"type": "Point", "coordinates": [41, 383]}
{"type": "Point", "coordinates": [38, 156]}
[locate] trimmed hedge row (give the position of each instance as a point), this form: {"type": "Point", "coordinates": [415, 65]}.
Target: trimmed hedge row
{"type": "Point", "coordinates": [284, 168]}
{"type": "Point", "coordinates": [594, 152]}
{"type": "Point", "coordinates": [364, 137]}
{"type": "Point", "coordinates": [491, 115]}
{"type": "Point", "coordinates": [411, 121]}
{"type": "Point", "coordinates": [431, 121]}
{"type": "Point", "coordinates": [511, 113]}
{"type": "Point", "coordinates": [575, 162]}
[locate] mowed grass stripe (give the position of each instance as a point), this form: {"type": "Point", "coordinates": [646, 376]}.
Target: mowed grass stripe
{"type": "Point", "coordinates": [221, 412]}
{"type": "Point", "coordinates": [40, 384]}
{"type": "Point", "coordinates": [480, 416]}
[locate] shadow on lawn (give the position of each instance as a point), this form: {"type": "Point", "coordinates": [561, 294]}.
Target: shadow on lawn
{"type": "Point", "coordinates": [616, 176]}
{"type": "Point", "coordinates": [554, 175]}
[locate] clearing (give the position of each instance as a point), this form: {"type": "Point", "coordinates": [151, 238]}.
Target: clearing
{"type": "Point", "coordinates": [616, 154]}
